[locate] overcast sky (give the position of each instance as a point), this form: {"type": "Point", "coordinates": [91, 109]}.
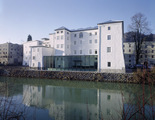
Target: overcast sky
{"type": "Point", "coordinates": [19, 18]}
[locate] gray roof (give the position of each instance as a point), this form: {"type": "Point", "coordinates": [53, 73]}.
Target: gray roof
{"type": "Point", "coordinates": [109, 22]}
{"type": "Point", "coordinates": [62, 28]}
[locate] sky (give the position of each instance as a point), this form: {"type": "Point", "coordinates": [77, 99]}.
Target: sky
{"type": "Point", "coordinates": [19, 18]}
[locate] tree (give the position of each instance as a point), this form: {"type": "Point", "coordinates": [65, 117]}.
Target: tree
{"type": "Point", "coordinates": [139, 29]}
{"type": "Point", "coordinates": [29, 38]}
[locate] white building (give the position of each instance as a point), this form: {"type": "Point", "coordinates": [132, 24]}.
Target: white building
{"type": "Point", "coordinates": [95, 48]}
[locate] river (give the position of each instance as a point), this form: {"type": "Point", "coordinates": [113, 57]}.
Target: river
{"type": "Point", "coordinates": [46, 99]}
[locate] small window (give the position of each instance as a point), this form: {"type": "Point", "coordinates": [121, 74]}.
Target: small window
{"type": "Point", "coordinates": [109, 37]}
{"type": "Point", "coordinates": [129, 50]}
{"type": "Point", "coordinates": [145, 46]}
{"type": "Point", "coordinates": [61, 45]}
{"type": "Point", "coordinates": [90, 34]}
{"type": "Point", "coordinates": [109, 28]}
{"type": "Point", "coordinates": [61, 31]}
{"type": "Point", "coordinates": [67, 38]}
{"type": "Point", "coordinates": [90, 51]}
{"type": "Point", "coordinates": [123, 45]}
{"type": "Point", "coordinates": [74, 51]}
{"type": "Point", "coordinates": [152, 46]}
{"type": "Point", "coordinates": [152, 56]}
{"type": "Point", "coordinates": [57, 45]}
{"type": "Point", "coordinates": [67, 46]}
{"type": "Point", "coordinates": [152, 51]}
{"type": "Point", "coordinates": [67, 32]}
{"type": "Point", "coordinates": [95, 33]}
{"type": "Point", "coordinates": [141, 56]}
{"type": "Point", "coordinates": [129, 56]}
{"type": "Point", "coordinates": [109, 64]}
{"type": "Point", "coordinates": [57, 32]}
{"type": "Point", "coordinates": [57, 37]}
{"type": "Point", "coordinates": [145, 51]}
{"type": "Point", "coordinates": [80, 51]}
{"type": "Point", "coordinates": [33, 57]}
{"type": "Point", "coordinates": [80, 35]}
{"type": "Point", "coordinates": [145, 56]}
{"type": "Point", "coordinates": [108, 97]}
{"type": "Point", "coordinates": [123, 50]}
{"type": "Point", "coordinates": [95, 40]}
{"type": "Point", "coordinates": [90, 41]}
{"type": "Point", "coordinates": [108, 49]}
{"type": "Point", "coordinates": [74, 35]}
{"type": "Point", "coordinates": [129, 60]}
{"type": "Point", "coordinates": [95, 51]}
{"type": "Point", "coordinates": [61, 37]}
{"type": "Point", "coordinates": [129, 45]}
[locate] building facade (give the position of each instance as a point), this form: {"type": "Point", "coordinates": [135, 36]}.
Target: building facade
{"type": "Point", "coordinates": [11, 54]}
{"type": "Point", "coordinates": [97, 48]}
{"type": "Point", "coordinates": [147, 53]}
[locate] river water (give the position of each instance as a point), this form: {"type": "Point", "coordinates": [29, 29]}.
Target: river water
{"type": "Point", "coordinates": [45, 99]}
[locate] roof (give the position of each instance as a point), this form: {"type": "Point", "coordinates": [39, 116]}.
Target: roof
{"type": "Point", "coordinates": [109, 22]}
{"type": "Point", "coordinates": [62, 28]}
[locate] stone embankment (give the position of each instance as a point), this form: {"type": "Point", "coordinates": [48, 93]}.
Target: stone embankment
{"type": "Point", "coordinates": [68, 75]}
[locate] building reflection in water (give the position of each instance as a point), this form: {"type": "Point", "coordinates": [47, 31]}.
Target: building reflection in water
{"type": "Point", "coordinates": [64, 103]}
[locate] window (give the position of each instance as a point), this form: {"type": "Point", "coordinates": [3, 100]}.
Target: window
{"type": "Point", "coordinates": [108, 49]}
{"type": "Point", "coordinates": [61, 45]}
{"type": "Point", "coordinates": [33, 64]}
{"type": "Point", "coordinates": [129, 60]}
{"type": "Point", "coordinates": [57, 37]}
{"type": "Point", "coordinates": [152, 56]}
{"type": "Point", "coordinates": [145, 46]}
{"type": "Point", "coordinates": [67, 38]}
{"type": "Point", "coordinates": [33, 57]}
{"type": "Point", "coordinates": [57, 32]}
{"type": "Point", "coordinates": [129, 45]}
{"type": "Point", "coordinates": [109, 37]}
{"type": "Point", "coordinates": [90, 34]}
{"type": "Point", "coordinates": [145, 51]}
{"type": "Point", "coordinates": [61, 31]}
{"type": "Point", "coordinates": [95, 33]}
{"type": "Point", "coordinates": [152, 46]}
{"type": "Point", "coordinates": [74, 42]}
{"type": "Point", "coordinates": [141, 56]}
{"type": "Point", "coordinates": [67, 46]}
{"type": "Point", "coordinates": [67, 32]}
{"type": "Point", "coordinates": [95, 51]}
{"type": "Point", "coordinates": [129, 56]}
{"type": "Point", "coordinates": [109, 28]}
{"type": "Point", "coordinates": [129, 50]}
{"type": "Point", "coordinates": [152, 51]}
{"type": "Point", "coordinates": [74, 51]}
{"type": "Point", "coordinates": [109, 64]}
{"type": "Point", "coordinates": [80, 51]}
{"type": "Point", "coordinates": [95, 40]}
{"type": "Point", "coordinates": [90, 41]}
{"type": "Point", "coordinates": [80, 35]}
{"type": "Point", "coordinates": [123, 50]}
{"type": "Point", "coordinates": [90, 51]}
{"type": "Point", "coordinates": [108, 97]}
{"type": "Point", "coordinates": [145, 56]}
{"type": "Point", "coordinates": [123, 45]}
{"type": "Point", "coordinates": [61, 37]}
{"type": "Point", "coordinates": [74, 35]}
{"type": "Point", "coordinates": [57, 45]}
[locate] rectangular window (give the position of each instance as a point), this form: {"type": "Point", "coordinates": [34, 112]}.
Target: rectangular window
{"type": "Point", "coordinates": [74, 35]}
{"type": "Point", "coordinates": [129, 45]}
{"type": "Point", "coordinates": [152, 56]}
{"type": "Point", "coordinates": [67, 32]}
{"type": "Point", "coordinates": [95, 51]}
{"type": "Point", "coordinates": [67, 46]}
{"type": "Point", "coordinates": [33, 57]}
{"type": "Point", "coordinates": [129, 50]}
{"type": "Point", "coordinates": [57, 37]}
{"type": "Point", "coordinates": [95, 40]}
{"type": "Point", "coordinates": [152, 46]}
{"type": "Point", "coordinates": [74, 42]}
{"type": "Point", "coordinates": [152, 51]}
{"type": "Point", "coordinates": [67, 38]}
{"type": "Point", "coordinates": [90, 51]}
{"type": "Point", "coordinates": [61, 37]}
{"type": "Point", "coordinates": [145, 56]}
{"type": "Point", "coordinates": [90, 34]}
{"type": "Point", "coordinates": [61, 45]}
{"type": "Point", "coordinates": [57, 45]}
{"type": "Point", "coordinates": [109, 64]}
{"type": "Point", "coordinates": [80, 51]}
{"type": "Point", "coordinates": [61, 31]}
{"type": "Point", "coordinates": [129, 56]}
{"type": "Point", "coordinates": [57, 32]}
{"type": "Point", "coordinates": [90, 41]}
{"type": "Point", "coordinates": [74, 51]}
{"type": "Point", "coordinates": [109, 37]}
{"type": "Point", "coordinates": [95, 33]}
{"type": "Point", "coordinates": [109, 28]}
{"type": "Point", "coordinates": [108, 49]}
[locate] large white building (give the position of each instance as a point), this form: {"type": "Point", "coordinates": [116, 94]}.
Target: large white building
{"type": "Point", "coordinates": [97, 48]}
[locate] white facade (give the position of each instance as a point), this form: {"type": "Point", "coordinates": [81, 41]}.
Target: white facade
{"type": "Point", "coordinates": [104, 41]}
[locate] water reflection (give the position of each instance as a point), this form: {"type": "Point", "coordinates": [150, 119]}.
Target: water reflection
{"type": "Point", "coordinates": [66, 100]}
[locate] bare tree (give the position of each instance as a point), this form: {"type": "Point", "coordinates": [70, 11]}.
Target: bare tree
{"type": "Point", "coordinates": [139, 28]}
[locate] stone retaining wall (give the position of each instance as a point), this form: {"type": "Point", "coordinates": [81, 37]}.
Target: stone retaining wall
{"type": "Point", "coordinates": [68, 75]}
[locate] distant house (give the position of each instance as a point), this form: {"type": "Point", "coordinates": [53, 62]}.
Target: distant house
{"type": "Point", "coordinates": [11, 54]}
{"type": "Point", "coordinates": [90, 49]}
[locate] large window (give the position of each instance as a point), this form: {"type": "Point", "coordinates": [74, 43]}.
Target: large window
{"type": "Point", "coordinates": [80, 35]}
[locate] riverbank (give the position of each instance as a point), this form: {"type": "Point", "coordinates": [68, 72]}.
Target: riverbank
{"type": "Point", "coordinates": [69, 75]}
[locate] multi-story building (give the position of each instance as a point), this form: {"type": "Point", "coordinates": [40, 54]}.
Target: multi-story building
{"type": "Point", "coordinates": [11, 54]}
{"type": "Point", "coordinates": [147, 53]}
{"type": "Point", "coordinates": [97, 48]}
